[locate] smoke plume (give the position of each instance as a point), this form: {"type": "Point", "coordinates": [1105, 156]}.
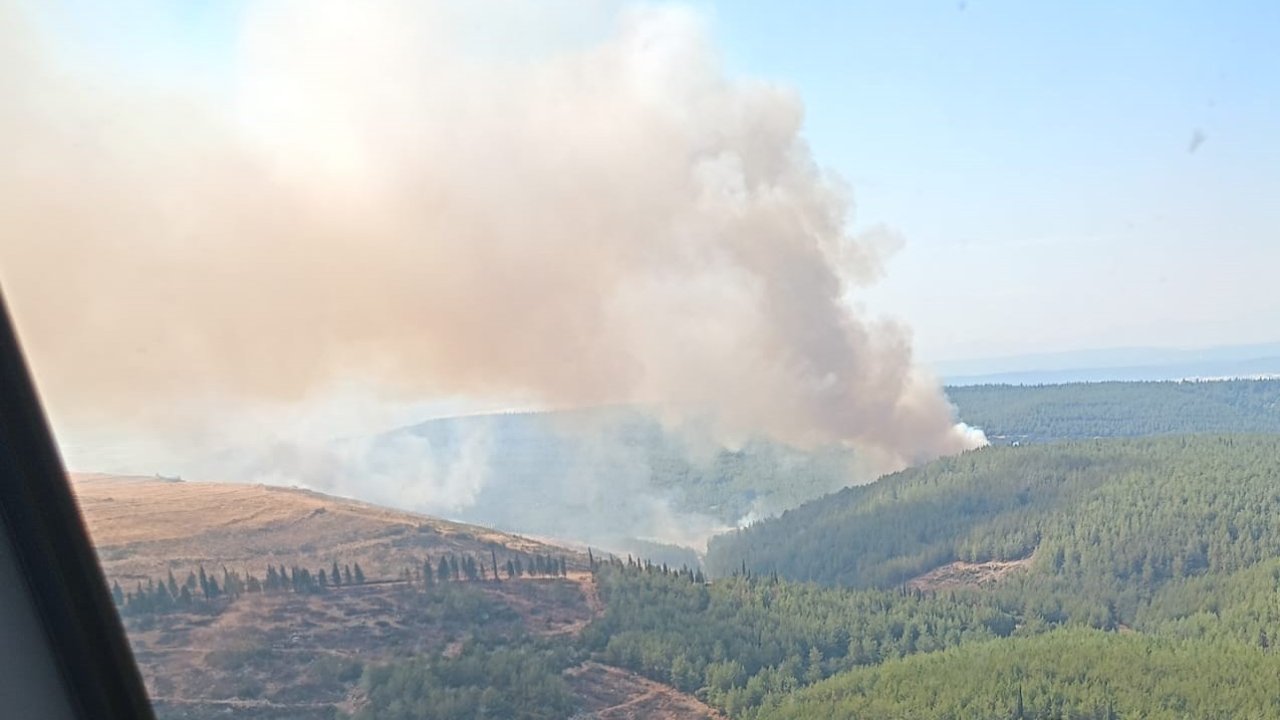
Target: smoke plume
{"type": "Point", "coordinates": [442, 199]}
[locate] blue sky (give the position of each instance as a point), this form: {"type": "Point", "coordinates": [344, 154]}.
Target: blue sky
{"type": "Point", "coordinates": [1037, 156]}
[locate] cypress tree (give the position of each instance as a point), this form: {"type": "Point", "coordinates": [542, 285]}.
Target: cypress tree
{"type": "Point", "coordinates": [359, 575]}
{"type": "Point", "coordinates": [337, 576]}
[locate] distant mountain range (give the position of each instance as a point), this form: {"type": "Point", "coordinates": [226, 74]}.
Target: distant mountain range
{"type": "Point", "coordinates": [1130, 364]}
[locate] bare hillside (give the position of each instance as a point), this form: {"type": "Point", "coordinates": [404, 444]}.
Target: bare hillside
{"type": "Point", "coordinates": [300, 656]}
{"type": "Point", "coordinates": [144, 527]}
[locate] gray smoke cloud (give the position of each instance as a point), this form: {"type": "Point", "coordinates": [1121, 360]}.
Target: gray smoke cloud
{"type": "Point", "coordinates": [401, 193]}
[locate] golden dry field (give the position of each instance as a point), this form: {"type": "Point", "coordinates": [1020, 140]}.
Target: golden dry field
{"type": "Point", "coordinates": [291, 656]}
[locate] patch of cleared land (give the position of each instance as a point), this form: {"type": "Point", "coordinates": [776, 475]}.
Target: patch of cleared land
{"type": "Point", "coordinates": [610, 693]}
{"type": "Point", "coordinates": [966, 574]}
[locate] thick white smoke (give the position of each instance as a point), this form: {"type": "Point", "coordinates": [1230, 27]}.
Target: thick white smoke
{"type": "Point", "coordinates": [403, 196]}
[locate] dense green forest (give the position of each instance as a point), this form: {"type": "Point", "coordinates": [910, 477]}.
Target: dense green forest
{"type": "Point", "coordinates": [1075, 411]}
{"type": "Point", "coordinates": [1075, 674]}
{"type": "Point", "coordinates": [741, 639]}
{"type": "Point", "coordinates": [516, 680]}
{"type": "Point", "coordinates": [752, 644]}
{"type": "Point", "coordinates": [1102, 515]}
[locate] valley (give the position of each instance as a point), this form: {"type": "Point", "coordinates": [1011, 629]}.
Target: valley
{"type": "Point", "coordinates": [1095, 570]}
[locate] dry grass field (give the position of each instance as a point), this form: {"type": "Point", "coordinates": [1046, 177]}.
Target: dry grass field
{"type": "Point", "coordinates": [144, 527]}
{"type": "Point", "coordinates": [287, 656]}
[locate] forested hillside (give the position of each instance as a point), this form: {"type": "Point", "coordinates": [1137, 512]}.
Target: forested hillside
{"type": "Point", "coordinates": [760, 647]}
{"type": "Point", "coordinates": [1149, 590]}
{"type": "Point", "coordinates": [738, 640]}
{"type": "Point", "coordinates": [1077, 674]}
{"type": "Point", "coordinates": [1109, 521]}
{"type": "Point", "coordinates": [1016, 413]}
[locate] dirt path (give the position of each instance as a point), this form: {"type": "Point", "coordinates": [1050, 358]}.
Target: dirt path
{"type": "Point", "coordinates": [610, 693]}
{"type": "Point", "coordinates": [587, 586]}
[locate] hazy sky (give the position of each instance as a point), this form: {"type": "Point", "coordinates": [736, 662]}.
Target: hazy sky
{"type": "Point", "coordinates": [1065, 174]}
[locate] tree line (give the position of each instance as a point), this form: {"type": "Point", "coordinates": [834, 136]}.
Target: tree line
{"type": "Point", "coordinates": [200, 586]}
{"type": "Point", "coordinates": [167, 594]}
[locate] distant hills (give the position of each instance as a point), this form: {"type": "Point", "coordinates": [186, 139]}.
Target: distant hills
{"type": "Point", "coordinates": [608, 476]}
{"type": "Point", "coordinates": [1116, 364]}
{"type": "Point", "coordinates": [1013, 413]}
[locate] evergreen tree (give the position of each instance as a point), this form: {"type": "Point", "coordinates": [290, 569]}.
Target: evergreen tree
{"type": "Point", "coordinates": [335, 575]}
{"type": "Point", "coordinates": [443, 573]}
{"type": "Point", "coordinates": [117, 594]}
{"type": "Point", "coordinates": [359, 575]}
{"type": "Point", "coordinates": [346, 575]}
{"type": "Point", "coordinates": [813, 671]}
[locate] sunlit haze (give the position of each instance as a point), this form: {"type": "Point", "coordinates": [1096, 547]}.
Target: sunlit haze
{"type": "Point", "coordinates": [1062, 175]}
